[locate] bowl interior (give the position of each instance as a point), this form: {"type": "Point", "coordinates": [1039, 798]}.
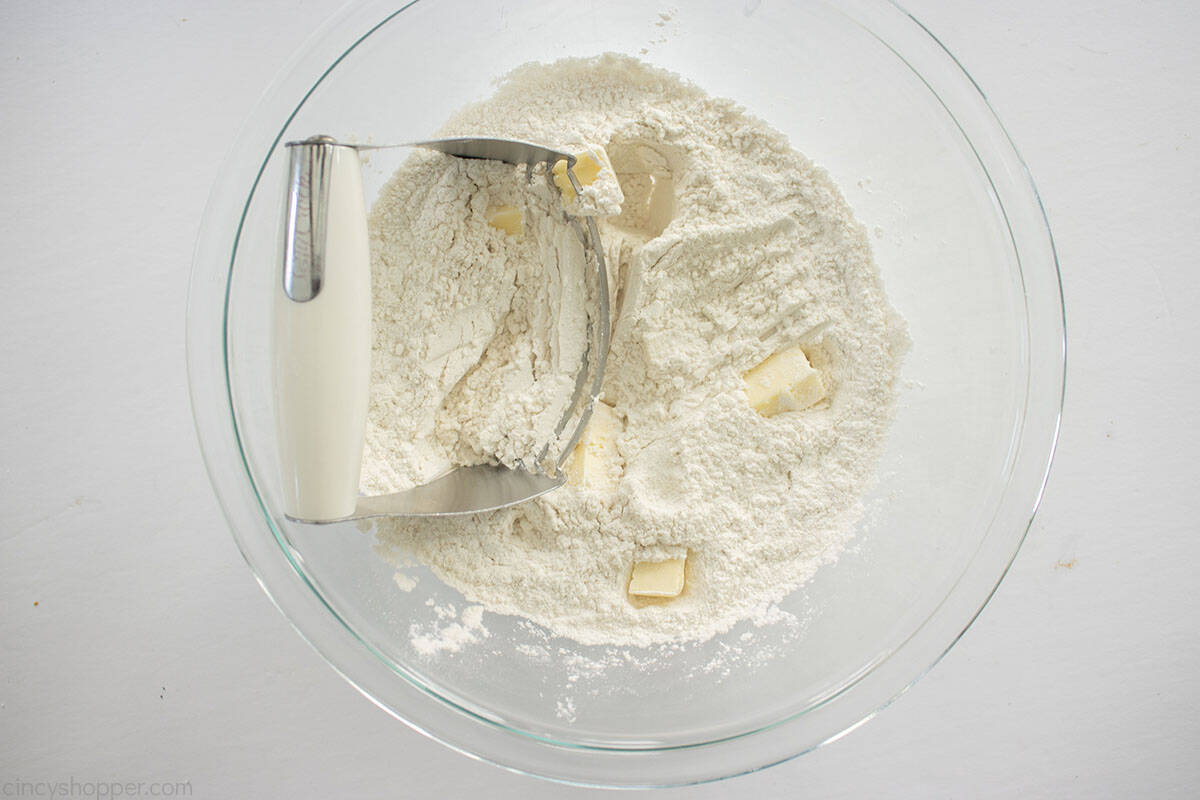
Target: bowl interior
{"type": "Point", "coordinates": [850, 102]}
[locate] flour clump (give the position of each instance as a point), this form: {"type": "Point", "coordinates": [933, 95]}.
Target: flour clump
{"type": "Point", "coordinates": [725, 246]}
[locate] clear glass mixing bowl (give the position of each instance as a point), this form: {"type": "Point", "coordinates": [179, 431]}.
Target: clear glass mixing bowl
{"type": "Point", "coordinates": [967, 257]}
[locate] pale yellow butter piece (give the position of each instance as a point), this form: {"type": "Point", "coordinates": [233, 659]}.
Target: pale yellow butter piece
{"type": "Point", "coordinates": [657, 578]}
{"type": "Point", "coordinates": [587, 169]}
{"type": "Point", "coordinates": [509, 219]}
{"type": "Point", "coordinates": [784, 382]}
{"type": "Point", "coordinates": [593, 465]}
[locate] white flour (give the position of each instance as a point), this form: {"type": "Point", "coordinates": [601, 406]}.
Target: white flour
{"type": "Point", "coordinates": [451, 632]}
{"type": "Point", "coordinates": [747, 248]}
{"type": "Point", "coordinates": [469, 339]}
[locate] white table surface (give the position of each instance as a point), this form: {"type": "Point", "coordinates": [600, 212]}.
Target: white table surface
{"type": "Point", "coordinates": [135, 644]}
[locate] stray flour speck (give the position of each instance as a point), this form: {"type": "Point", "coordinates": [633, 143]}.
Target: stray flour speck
{"type": "Point", "coordinates": [452, 633]}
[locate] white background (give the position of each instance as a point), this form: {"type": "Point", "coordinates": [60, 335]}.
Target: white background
{"type": "Point", "coordinates": [135, 644]}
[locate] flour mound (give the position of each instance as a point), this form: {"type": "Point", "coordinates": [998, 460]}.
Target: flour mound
{"type": "Point", "coordinates": [729, 245]}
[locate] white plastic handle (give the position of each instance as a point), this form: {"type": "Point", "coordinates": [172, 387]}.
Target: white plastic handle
{"type": "Point", "coordinates": [322, 355]}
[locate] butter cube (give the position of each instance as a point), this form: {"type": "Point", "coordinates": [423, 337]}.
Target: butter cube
{"type": "Point", "coordinates": [594, 464]}
{"type": "Point", "coordinates": [784, 382]}
{"type": "Point", "coordinates": [657, 578]}
{"type": "Point", "coordinates": [587, 169]}
{"type": "Point", "coordinates": [509, 219]}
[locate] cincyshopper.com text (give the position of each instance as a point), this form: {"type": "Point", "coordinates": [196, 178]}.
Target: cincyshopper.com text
{"type": "Point", "coordinates": [73, 787]}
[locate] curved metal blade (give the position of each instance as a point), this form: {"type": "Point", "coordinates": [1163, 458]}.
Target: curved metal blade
{"type": "Point", "coordinates": [465, 490]}
{"type": "Point", "coordinates": [510, 150]}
